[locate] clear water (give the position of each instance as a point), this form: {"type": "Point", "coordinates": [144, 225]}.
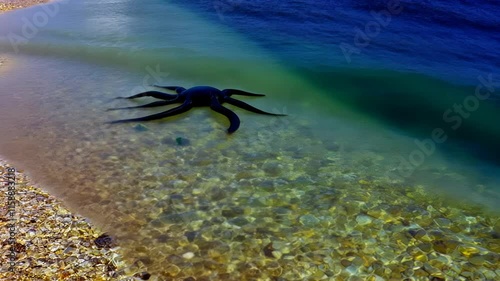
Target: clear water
{"type": "Point", "coordinates": [148, 191]}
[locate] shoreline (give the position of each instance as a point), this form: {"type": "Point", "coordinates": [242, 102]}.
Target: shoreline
{"type": "Point", "coordinates": [46, 240]}
{"type": "Point", "coordinates": [9, 5]}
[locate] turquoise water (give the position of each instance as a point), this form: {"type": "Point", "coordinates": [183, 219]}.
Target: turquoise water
{"type": "Point", "coordinates": [288, 180]}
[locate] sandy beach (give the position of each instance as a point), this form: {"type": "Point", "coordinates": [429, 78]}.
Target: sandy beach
{"type": "Point", "coordinates": [45, 241]}
{"type": "Point", "coordinates": [7, 5]}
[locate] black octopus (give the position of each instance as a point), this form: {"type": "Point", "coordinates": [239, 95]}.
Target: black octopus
{"type": "Point", "coordinates": [195, 96]}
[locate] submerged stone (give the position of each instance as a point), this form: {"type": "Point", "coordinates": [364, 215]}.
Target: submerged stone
{"type": "Point", "coordinates": [272, 168]}
{"type": "Point", "coordinates": [477, 260]}
{"type": "Point", "coordinates": [363, 220]}
{"type": "Point", "coordinates": [143, 275]}
{"type": "Point", "coordinates": [182, 141]}
{"type": "Point", "coordinates": [309, 220]}
{"type": "Point", "coordinates": [104, 241]}
{"type": "Point", "coordinates": [179, 217]}
{"type": "Point", "coordinates": [191, 235]}
{"type": "Point", "coordinates": [445, 246]}
{"type": "Point", "coordinates": [233, 212]}
{"type": "Point", "coordinates": [239, 221]}
{"type": "Point", "coordinates": [268, 250]}
{"type": "Point", "coordinates": [172, 270]}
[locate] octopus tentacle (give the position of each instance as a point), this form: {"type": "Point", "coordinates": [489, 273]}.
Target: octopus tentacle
{"type": "Point", "coordinates": [174, 111]}
{"type": "Point", "coordinates": [233, 118]}
{"type": "Point", "coordinates": [230, 92]}
{"type": "Point", "coordinates": [154, 94]}
{"type": "Point", "coordinates": [248, 107]}
{"type": "Point", "coordinates": [153, 104]}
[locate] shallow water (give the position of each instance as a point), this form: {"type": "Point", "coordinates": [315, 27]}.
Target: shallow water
{"type": "Point", "coordinates": [289, 178]}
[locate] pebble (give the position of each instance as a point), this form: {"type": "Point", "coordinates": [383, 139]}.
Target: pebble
{"type": "Point", "coordinates": [443, 222]}
{"type": "Point", "coordinates": [143, 275]}
{"type": "Point", "coordinates": [273, 168]}
{"type": "Point", "coordinates": [188, 255]}
{"type": "Point", "coordinates": [363, 220]}
{"type": "Point", "coordinates": [232, 212]}
{"type": "Point", "coordinates": [179, 184]}
{"type": "Point", "coordinates": [309, 220]}
{"type": "Point", "coordinates": [172, 270]}
{"type": "Point", "coordinates": [47, 237]}
{"type": "Point", "coordinates": [277, 254]}
{"type": "Point", "coordinates": [477, 260]}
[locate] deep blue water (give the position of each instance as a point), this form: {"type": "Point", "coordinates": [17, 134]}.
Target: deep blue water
{"type": "Point", "coordinates": [455, 40]}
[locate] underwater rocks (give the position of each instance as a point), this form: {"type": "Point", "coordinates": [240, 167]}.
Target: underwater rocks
{"type": "Point", "coordinates": [348, 234]}
{"type": "Point", "coordinates": [267, 208]}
